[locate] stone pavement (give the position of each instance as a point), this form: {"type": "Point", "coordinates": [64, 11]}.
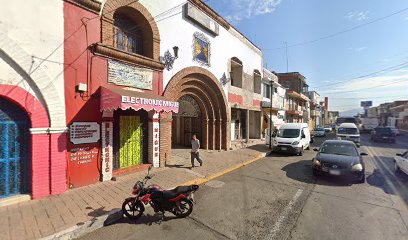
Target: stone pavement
{"type": "Point", "coordinates": [84, 209]}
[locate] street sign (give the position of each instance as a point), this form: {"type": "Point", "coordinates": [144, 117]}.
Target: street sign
{"type": "Point", "coordinates": [366, 104]}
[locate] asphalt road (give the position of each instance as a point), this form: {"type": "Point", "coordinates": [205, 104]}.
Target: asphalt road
{"type": "Point", "coordinates": [278, 198]}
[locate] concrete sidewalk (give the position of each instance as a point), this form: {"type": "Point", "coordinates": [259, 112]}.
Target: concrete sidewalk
{"type": "Point", "coordinates": [85, 209]}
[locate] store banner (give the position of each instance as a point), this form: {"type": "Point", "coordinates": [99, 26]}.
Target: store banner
{"type": "Point", "coordinates": [156, 140]}
{"type": "Point", "coordinates": [112, 99]}
{"type": "Point", "coordinates": [107, 151]}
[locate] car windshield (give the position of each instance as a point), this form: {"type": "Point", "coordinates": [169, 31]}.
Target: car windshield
{"type": "Point", "coordinates": [288, 133]}
{"type": "Point", "coordinates": [347, 131]}
{"type": "Point", "coordinates": [319, 129]}
{"type": "Point", "coordinates": [383, 130]}
{"type": "Point", "coordinates": [345, 149]}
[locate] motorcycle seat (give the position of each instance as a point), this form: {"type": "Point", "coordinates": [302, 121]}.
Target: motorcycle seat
{"type": "Point", "coordinates": [172, 193]}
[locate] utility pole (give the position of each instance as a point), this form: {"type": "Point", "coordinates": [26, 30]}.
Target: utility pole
{"type": "Point", "coordinates": [270, 117]}
{"type": "Point", "coordinates": [287, 59]}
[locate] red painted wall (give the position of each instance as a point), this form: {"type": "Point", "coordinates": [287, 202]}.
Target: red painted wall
{"type": "Point", "coordinates": [234, 98]}
{"type": "Point", "coordinates": [256, 103]}
{"type": "Point", "coordinates": [83, 67]}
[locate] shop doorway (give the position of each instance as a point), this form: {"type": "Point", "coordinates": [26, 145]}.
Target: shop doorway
{"type": "Point", "coordinates": [15, 149]}
{"type": "Point", "coordinates": [130, 128]}
{"type": "Point", "coordinates": [186, 122]}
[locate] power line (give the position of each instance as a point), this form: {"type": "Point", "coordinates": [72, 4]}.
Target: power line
{"type": "Point", "coordinates": [338, 33]}
{"type": "Point", "coordinates": [395, 67]}
{"type": "Point", "coordinates": [388, 84]}
{"type": "Point", "coordinates": [75, 31]}
{"type": "Point", "coordinates": [389, 96]}
{"type": "Point", "coordinates": [350, 75]}
{"type": "Point", "coordinates": [153, 19]}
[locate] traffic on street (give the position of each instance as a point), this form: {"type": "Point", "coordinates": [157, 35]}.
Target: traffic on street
{"type": "Point", "coordinates": [278, 197]}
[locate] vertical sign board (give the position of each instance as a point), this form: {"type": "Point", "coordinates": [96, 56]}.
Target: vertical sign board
{"type": "Point", "coordinates": [156, 140]}
{"type": "Point", "coordinates": [107, 151]}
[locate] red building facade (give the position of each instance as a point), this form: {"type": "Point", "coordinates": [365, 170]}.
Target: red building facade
{"type": "Point", "coordinates": [113, 89]}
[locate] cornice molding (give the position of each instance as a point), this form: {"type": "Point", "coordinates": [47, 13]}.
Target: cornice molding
{"type": "Point", "coordinates": [91, 5]}
{"type": "Point", "coordinates": [135, 59]}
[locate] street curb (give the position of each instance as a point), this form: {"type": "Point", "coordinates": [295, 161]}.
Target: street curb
{"type": "Point", "coordinates": [115, 215]}
{"type": "Point", "coordinates": [200, 181]}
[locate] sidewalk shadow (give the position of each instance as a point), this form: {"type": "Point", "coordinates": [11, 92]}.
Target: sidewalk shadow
{"type": "Point", "coordinates": [147, 219]}
{"type": "Point", "coordinates": [302, 171]}
{"type": "Point", "coordinates": [177, 166]}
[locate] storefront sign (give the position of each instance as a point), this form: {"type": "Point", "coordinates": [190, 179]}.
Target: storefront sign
{"type": "Point", "coordinates": [196, 15]}
{"type": "Point", "coordinates": [112, 99]}
{"type": "Point", "coordinates": [148, 103]}
{"type": "Point", "coordinates": [84, 132]}
{"type": "Point", "coordinates": [156, 140]}
{"type": "Point", "coordinates": [107, 152]}
{"type": "Point", "coordinates": [83, 155]}
{"type": "Point", "coordinates": [127, 75]}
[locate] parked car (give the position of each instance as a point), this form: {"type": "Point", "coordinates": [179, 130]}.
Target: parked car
{"type": "Point", "coordinates": [328, 128]}
{"type": "Point", "coordinates": [384, 134]}
{"type": "Point", "coordinates": [319, 132]}
{"type": "Point", "coordinates": [396, 131]}
{"type": "Point", "coordinates": [339, 158]}
{"type": "Point", "coordinates": [401, 162]}
{"type": "Point", "coordinates": [292, 138]}
{"type": "Point", "coordinates": [350, 132]}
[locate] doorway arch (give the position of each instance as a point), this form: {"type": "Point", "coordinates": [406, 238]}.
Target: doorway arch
{"type": "Point", "coordinates": [202, 89]}
{"type": "Point", "coordinates": [15, 150]}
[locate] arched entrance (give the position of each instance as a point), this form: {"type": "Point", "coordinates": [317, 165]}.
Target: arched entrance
{"type": "Point", "coordinates": [15, 149]}
{"type": "Point", "coordinates": [186, 122]}
{"type": "Point", "coordinates": [203, 109]}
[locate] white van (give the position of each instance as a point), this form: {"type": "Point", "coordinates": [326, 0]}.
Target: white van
{"type": "Point", "coordinates": [350, 132]}
{"type": "Point", "coordinates": [292, 138]}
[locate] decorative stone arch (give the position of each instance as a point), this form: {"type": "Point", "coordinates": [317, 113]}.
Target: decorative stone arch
{"type": "Point", "coordinates": [38, 80]}
{"type": "Point", "coordinates": [47, 114]}
{"type": "Point", "coordinates": [205, 88]}
{"type": "Point", "coordinates": [34, 109]}
{"type": "Point", "coordinates": [108, 11]}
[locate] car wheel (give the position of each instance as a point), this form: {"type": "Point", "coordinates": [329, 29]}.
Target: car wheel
{"type": "Point", "coordinates": [315, 173]}
{"type": "Point", "coordinates": [308, 147]}
{"type": "Point", "coordinates": [362, 180]}
{"type": "Point", "coordinates": [397, 168]}
{"type": "Point", "coordinates": [301, 151]}
{"type": "Point", "coordinates": [393, 141]}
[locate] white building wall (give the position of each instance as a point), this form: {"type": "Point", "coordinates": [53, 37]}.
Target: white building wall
{"type": "Point", "coordinates": [30, 30]}
{"type": "Point", "coordinates": [177, 31]}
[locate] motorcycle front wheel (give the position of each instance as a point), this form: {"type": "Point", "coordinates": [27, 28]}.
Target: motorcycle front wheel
{"type": "Point", "coordinates": [132, 208]}
{"type": "Point", "coordinates": [183, 208]}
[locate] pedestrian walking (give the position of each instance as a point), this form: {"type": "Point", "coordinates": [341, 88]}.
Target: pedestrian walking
{"type": "Point", "coordinates": [195, 150]}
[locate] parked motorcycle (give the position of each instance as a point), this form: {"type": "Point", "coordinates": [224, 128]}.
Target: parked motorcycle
{"type": "Point", "coordinates": [178, 201]}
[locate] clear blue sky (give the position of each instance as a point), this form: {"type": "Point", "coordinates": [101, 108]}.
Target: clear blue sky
{"type": "Point", "coordinates": [344, 58]}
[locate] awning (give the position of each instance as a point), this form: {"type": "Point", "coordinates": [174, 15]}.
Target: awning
{"type": "Point", "coordinates": [113, 99]}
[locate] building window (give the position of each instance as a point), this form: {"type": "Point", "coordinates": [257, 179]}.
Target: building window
{"type": "Point", "coordinates": [127, 36]}
{"type": "Point", "coordinates": [236, 72]}
{"type": "Point", "coordinates": [257, 82]}
{"type": "Point", "coordinates": [266, 90]}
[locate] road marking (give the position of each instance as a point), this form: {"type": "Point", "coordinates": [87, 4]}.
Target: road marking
{"type": "Point", "coordinates": [397, 199]}
{"type": "Point", "coordinates": [284, 214]}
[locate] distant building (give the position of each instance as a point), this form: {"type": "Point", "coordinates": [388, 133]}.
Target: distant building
{"type": "Point", "coordinates": [278, 101]}
{"type": "Point", "coordinates": [315, 110]}
{"type": "Point", "coordinates": [297, 103]}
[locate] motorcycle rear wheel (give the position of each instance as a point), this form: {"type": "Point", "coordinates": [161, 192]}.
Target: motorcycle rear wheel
{"type": "Point", "coordinates": [184, 209]}
{"type": "Point", "coordinates": [132, 209]}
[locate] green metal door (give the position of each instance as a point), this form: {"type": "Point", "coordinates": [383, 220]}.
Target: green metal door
{"type": "Point", "coordinates": [131, 143]}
